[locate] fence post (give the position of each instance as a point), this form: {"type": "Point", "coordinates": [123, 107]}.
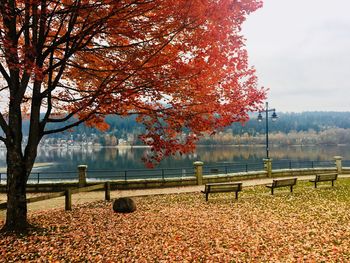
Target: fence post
{"type": "Point", "coordinates": [68, 200]}
{"type": "Point", "coordinates": [268, 166]}
{"type": "Point", "coordinates": [107, 191]}
{"type": "Point", "coordinates": [338, 164]}
{"type": "Point", "coordinates": [82, 175]}
{"type": "Point", "coordinates": [198, 168]}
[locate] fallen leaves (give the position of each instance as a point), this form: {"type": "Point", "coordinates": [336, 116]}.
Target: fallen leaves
{"type": "Point", "coordinates": [311, 225]}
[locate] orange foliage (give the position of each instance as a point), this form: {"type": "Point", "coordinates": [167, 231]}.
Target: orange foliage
{"type": "Point", "coordinates": [180, 65]}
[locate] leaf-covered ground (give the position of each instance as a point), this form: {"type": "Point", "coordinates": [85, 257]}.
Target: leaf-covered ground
{"type": "Point", "coordinates": [309, 225]}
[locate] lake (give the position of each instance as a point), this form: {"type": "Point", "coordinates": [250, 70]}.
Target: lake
{"type": "Point", "coordinates": [67, 159]}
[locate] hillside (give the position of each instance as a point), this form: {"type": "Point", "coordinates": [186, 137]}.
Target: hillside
{"type": "Point", "coordinates": [290, 128]}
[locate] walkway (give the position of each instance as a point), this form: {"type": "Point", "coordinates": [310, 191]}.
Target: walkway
{"type": "Point", "coordinates": [85, 197]}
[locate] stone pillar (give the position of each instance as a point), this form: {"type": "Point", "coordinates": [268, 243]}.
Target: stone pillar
{"type": "Point", "coordinates": [82, 175]}
{"type": "Point", "coordinates": [268, 166]}
{"type": "Point", "coordinates": [198, 169]}
{"type": "Point", "coordinates": [338, 164]}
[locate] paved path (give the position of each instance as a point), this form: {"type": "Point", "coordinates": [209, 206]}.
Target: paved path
{"type": "Point", "coordinates": [85, 197]}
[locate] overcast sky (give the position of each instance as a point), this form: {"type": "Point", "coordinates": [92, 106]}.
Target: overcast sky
{"type": "Point", "coordinates": [301, 52]}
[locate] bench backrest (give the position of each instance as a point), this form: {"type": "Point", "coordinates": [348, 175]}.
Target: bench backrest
{"type": "Point", "coordinates": [225, 187]}
{"type": "Point", "coordinates": [284, 182]}
{"type": "Point", "coordinates": [326, 177]}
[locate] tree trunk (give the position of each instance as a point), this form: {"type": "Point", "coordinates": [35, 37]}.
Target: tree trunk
{"type": "Point", "coordinates": [16, 217]}
{"type": "Point", "coordinates": [17, 175]}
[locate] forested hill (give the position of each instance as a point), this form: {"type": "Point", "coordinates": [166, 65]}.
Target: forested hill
{"type": "Point", "coordinates": [127, 128]}
{"type": "Point", "coordinates": [287, 122]}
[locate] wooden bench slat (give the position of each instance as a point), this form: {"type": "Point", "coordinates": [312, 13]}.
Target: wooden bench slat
{"type": "Point", "coordinates": [218, 190]}
{"type": "Point", "coordinates": [224, 183]}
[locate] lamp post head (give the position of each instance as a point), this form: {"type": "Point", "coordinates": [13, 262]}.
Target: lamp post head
{"type": "Point", "coordinates": [274, 116]}
{"type": "Point", "coordinates": [260, 117]}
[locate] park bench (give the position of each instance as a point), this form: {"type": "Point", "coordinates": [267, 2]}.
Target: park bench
{"type": "Point", "coordinates": [221, 188]}
{"type": "Point", "coordinates": [283, 183]}
{"type": "Point", "coordinates": [325, 178]}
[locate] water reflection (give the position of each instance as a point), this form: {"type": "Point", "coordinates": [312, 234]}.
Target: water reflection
{"type": "Point", "coordinates": [67, 159]}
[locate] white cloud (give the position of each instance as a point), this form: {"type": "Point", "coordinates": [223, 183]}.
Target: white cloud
{"type": "Point", "coordinates": [301, 51]}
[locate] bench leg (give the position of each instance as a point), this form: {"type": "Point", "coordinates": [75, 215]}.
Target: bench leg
{"type": "Point", "coordinates": [236, 195]}
{"type": "Point", "coordinates": [206, 196]}
{"type": "Point", "coordinates": [291, 188]}
{"type": "Point", "coordinates": [315, 184]}
{"type": "Point", "coordinates": [272, 190]}
{"type": "Point", "coordinates": [332, 183]}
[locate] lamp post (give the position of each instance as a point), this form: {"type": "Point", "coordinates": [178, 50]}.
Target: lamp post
{"type": "Point", "coordinates": [273, 118]}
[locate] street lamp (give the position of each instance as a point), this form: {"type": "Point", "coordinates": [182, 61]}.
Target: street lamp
{"type": "Point", "coordinates": [273, 118]}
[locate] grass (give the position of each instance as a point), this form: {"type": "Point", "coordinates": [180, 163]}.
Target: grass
{"type": "Point", "coordinates": [308, 225]}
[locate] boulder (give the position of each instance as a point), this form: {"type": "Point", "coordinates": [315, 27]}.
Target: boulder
{"type": "Point", "coordinates": [124, 205]}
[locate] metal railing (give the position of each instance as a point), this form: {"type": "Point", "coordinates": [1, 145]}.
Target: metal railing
{"type": "Point", "coordinates": [54, 176]}
{"type": "Point", "coordinates": [346, 163]}
{"type": "Point", "coordinates": [232, 168]}
{"type": "Point", "coordinates": [46, 177]}
{"type": "Point", "coordinates": [38, 177]}
{"type": "Point", "coordinates": [133, 174]}
{"type": "Point", "coordinates": [291, 164]}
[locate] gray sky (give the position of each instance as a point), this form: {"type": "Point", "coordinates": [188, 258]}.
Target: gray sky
{"type": "Point", "coordinates": [301, 51]}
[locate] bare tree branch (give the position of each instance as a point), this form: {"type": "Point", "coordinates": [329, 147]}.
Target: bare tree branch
{"type": "Point", "coordinates": [67, 127]}
{"type": "Point", "coordinates": [4, 74]}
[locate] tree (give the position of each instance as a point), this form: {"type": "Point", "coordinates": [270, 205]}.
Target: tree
{"type": "Point", "coordinates": [178, 65]}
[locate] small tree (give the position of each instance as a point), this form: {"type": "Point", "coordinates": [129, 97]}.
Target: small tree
{"type": "Point", "coordinates": [176, 64]}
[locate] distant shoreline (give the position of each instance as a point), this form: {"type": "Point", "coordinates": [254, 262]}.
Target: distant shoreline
{"type": "Point", "coordinates": [198, 145]}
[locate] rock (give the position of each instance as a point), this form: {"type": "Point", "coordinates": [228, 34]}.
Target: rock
{"type": "Point", "coordinates": [124, 205]}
